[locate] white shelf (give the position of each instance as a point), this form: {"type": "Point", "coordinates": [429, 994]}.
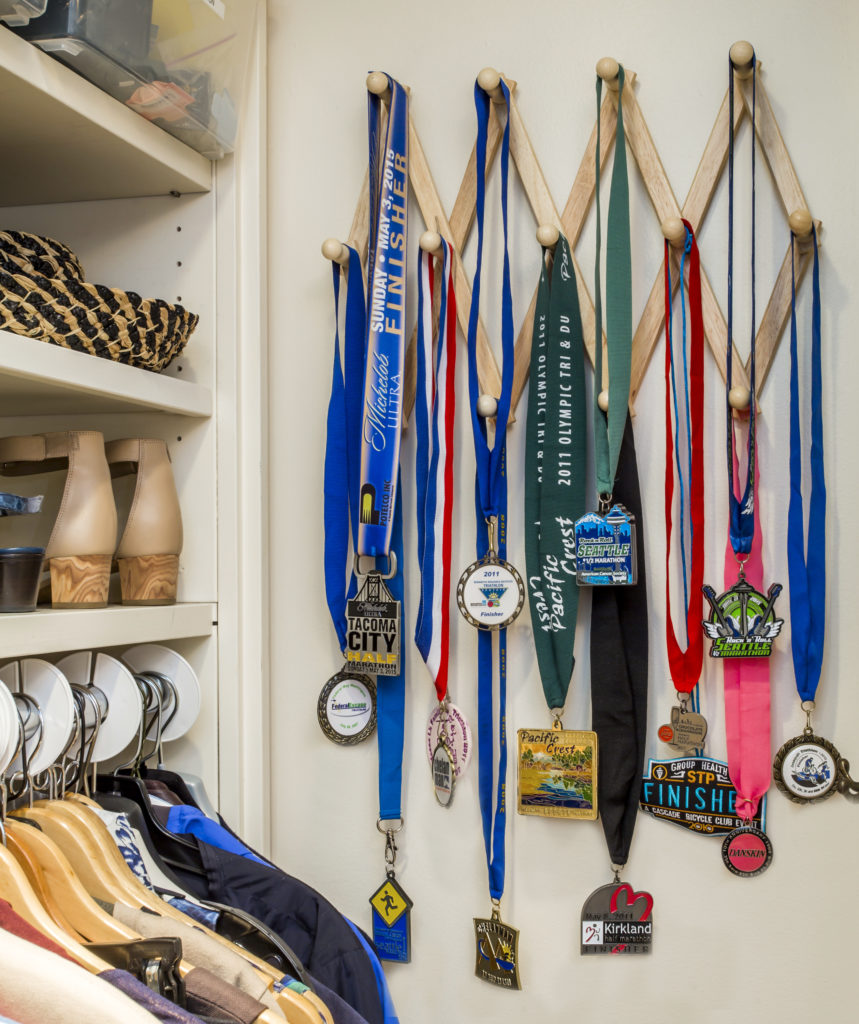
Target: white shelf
{"type": "Point", "coordinates": [39, 378]}
{"type": "Point", "coordinates": [51, 631]}
{"type": "Point", "coordinates": [64, 140]}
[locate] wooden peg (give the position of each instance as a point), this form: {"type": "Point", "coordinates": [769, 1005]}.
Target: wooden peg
{"type": "Point", "coordinates": [548, 235]}
{"type": "Point", "coordinates": [377, 83]}
{"type": "Point", "coordinates": [743, 58]}
{"type": "Point", "coordinates": [675, 231]}
{"type": "Point", "coordinates": [333, 249]}
{"type": "Point", "coordinates": [602, 400]}
{"type": "Point", "coordinates": [607, 69]}
{"type": "Point", "coordinates": [800, 223]}
{"type": "Point", "coordinates": [431, 243]}
{"type": "Point", "coordinates": [487, 406]}
{"type": "Point", "coordinates": [739, 397]}
{"type": "Point", "coordinates": [489, 81]}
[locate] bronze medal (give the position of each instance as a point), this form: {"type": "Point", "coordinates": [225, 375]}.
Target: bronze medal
{"type": "Point", "coordinates": [497, 951]}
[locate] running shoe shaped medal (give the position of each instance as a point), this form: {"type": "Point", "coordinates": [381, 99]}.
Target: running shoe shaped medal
{"type": "Point", "coordinates": [490, 593]}
{"type": "Point", "coordinates": [742, 622]}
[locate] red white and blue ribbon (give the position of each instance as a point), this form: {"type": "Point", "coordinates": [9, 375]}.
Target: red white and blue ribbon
{"type": "Point", "coordinates": [435, 404]}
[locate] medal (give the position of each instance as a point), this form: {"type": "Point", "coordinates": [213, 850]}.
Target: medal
{"type": "Point", "coordinates": [457, 738]}
{"type": "Point", "coordinates": [808, 768]}
{"type": "Point", "coordinates": [687, 728]}
{"type": "Point", "coordinates": [606, 550]}
{"type": "Point", "coordinates": [743, 622]}
{"type": "Point", "coordinates": [616, 919]}
{"type": "Point", "coordinates": [558, 773]}
{"type": "Point", "coordinates": [497, 950]}
{"type": "Point", "coordinates": [747, 851]}
{"type": "Point", "coordinates": [373, 627]}
{"type": "Point", "coordinates": [392, 908]}
{"type": "Point", "coordinates": [490, 593]}
{"type": "Point", "coordinates": [347, 707]}
{"type": "Point", "coordinates": [497, 956]}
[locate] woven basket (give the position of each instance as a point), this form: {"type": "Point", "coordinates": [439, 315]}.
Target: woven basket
{"type": "Point", "coordinates": [43, 295]}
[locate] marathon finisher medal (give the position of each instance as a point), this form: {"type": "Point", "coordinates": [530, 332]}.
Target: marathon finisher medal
{"type": "Point", "coordinates": [742, 623]}
{"type": "Point", "coordinates": [490, 593]}
{"type": "Point", "coordinates": [687, 729]}
{"type": "Point", "coordinates": [347, 707]}
{"type": "Point", "coordinates": [617, 920]}
{"type": "Point", "coordinates": [606, 548]}
{"type": "Point", "coordinates": [497, 948]}
{"type": "Point", "coordinates": [373, 629]}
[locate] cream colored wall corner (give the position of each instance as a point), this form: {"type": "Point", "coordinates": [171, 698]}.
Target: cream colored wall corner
{"type": "Point", "coordinates": [776, 948]}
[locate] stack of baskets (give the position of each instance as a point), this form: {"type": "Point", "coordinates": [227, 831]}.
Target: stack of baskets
{"type": "Point", "coordinates": [43, 295]}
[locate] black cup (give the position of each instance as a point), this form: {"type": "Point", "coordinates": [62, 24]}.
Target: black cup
{"type": "Point", "coordinates": [20, 569]}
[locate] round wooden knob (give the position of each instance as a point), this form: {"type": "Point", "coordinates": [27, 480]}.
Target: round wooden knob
{"type": "Point", "coordinates": [607, 69]}
{"type": "Point", "coordinates": [674, 230]}
{"type": "Point", "coordinates": [602, 400]}
{"type": "Point", "coordinates": [487, 406]}
{"type": "Point", "coordinates": [800, 223]}
{"type": "Point", "coordinates": [548, 235]}
{"type": "Point", "coordinates": [739, 397]}
{"type": "Point", "coordinates": [430, 241]}
{"type": "Point", "coordinates": [377, 83]}
{"type": "Point", "coordinates": [489, 80]}
{"type": "Point", "coordinates": [742, 56]}
{"type": "Point", "coordinates": [333, 249]}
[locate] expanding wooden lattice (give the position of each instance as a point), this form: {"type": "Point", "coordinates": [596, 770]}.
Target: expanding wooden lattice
{"type": "Point", "coordinates": [571, 220]}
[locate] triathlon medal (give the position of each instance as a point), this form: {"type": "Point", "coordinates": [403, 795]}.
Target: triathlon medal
{"type": "Point", "coordinates": [497, 947]}
{"type": "Point", "coordinates": [687, 729]}
{"type": "Point", "coordinates": [490, 592]}
{"type": "Point", "coordinates": [347, 707]}
{"type": "Point", "coordinates": [742, 623]}
{"type": "Point", "coordinates": [392, 931]}
{"type": "Point", "coordinates": [606, 548]}
{"type": "Point", "coordinates": [373, 628]}
{"type": "Point", "coordinates": [558, 773]}
{"type": "Point", "coordinates": [747, 852]}
{"type": "Point", "coordinates": [615, 919]}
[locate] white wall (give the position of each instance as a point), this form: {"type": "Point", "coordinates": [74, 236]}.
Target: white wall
{"type": "Point", "coordinates": [775, 948]}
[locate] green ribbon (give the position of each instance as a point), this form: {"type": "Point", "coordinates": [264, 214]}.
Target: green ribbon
{"type": "Point", "coordinates": [608, 429]}
{"type": "Point", "coordinates": [555, 457]}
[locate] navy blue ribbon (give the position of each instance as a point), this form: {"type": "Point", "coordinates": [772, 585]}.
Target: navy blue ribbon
{"type": "Point", "coordinates": [742, 510]}
{"type": "Point", "coordinates": [806, 561]}
{"type": "Point", "coordinates": [491, 502]}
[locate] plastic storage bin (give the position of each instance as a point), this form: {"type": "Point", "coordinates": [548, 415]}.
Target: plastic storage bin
{"type": "Point", "coordinates": [178, 63]}
{"type": "Point", "coordinates": [19, 12]}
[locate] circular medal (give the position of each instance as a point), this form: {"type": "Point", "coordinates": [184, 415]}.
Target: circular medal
{"type": "Point", "coordinates": [458, 737]}
{"type": "Point", "coordinates": [347, 707]}
{"type": "Point", "coordinates": [747, 852]}
{"type": "Point", "coordinates": [490, 594]}
{"type": "Point", "coordinates": [806, 768]}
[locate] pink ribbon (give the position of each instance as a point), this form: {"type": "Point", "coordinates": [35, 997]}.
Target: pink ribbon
{"type": "Point", "coordinates": [747, 691]}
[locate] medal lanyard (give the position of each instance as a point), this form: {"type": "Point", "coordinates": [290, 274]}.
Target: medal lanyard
{"type": "Point", "coordinates": [380, 518]}
{"type": "Point", "coordinates": [807, 572]}
{"type": "Point", "coordinates": [434, 418]}
{"type": "Point", "coordinates": [609, 427]}
{"type": "Point", "coordinates": [342, 446]}
{"type": "Point", "coordinates": [747, 680]}
{"type": "Point", "coordinates": [555, 460]}
{"type": "Point", "coordinates": [491, 504]}
{"type": "Point", "coordinates": [742, 518]}
{"type": "Point", "coordinates": [685, 665]}
{"type": "Point", "coordinates": [619, 641]}
{"type": "Point", "coordinates": [386, 311]}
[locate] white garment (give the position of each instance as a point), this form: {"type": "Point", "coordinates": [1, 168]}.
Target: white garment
{"type": "Point", "coordinates": [39, 987]}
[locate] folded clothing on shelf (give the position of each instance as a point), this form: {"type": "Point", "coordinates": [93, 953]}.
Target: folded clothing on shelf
{"type": "Point", "coordinates": [43, 295]}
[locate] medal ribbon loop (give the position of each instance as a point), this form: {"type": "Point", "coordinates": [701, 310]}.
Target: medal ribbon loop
{"type": "Point", "coordinates": [491, 502]}
{"type": "Point", "coordinates": [434, 419]}
{"type": "Point", "coordinates": [386, 313]}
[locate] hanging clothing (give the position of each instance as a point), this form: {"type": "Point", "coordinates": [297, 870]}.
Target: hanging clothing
{"type": "Point", "coordinates": [160, 1008]}
{"type": "Point", "coordinates": [12, 922]}
{"type": "Point", "coordinates": [185, 820]}
{"type": "Point", "coordinates": [208, 996]}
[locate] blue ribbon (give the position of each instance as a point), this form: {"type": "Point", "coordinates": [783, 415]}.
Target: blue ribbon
{"type": "Point", "coordinates": [391, 697]}
{"type": "Point", "coordinates": [806, 563]}
{"type": "Point", "coordinates": [343, 445]}
{"type": "Point", "coordinates": [742, 511]}
{"type": "Point", "coordinates": [386, 314]}
{"type": "Point", "coordinates": [491, 501]}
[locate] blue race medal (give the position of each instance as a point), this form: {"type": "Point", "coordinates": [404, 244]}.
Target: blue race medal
{"type": "Point", "coordinates": [742, 622]}
{"type": "Point", "coordinates": [392, 933]}
{"type": "Point", "coordinates": [606, 548]}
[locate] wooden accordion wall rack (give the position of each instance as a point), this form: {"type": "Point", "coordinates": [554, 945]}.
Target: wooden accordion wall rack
{"type": "Point", "coordinates": [456, 228]}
